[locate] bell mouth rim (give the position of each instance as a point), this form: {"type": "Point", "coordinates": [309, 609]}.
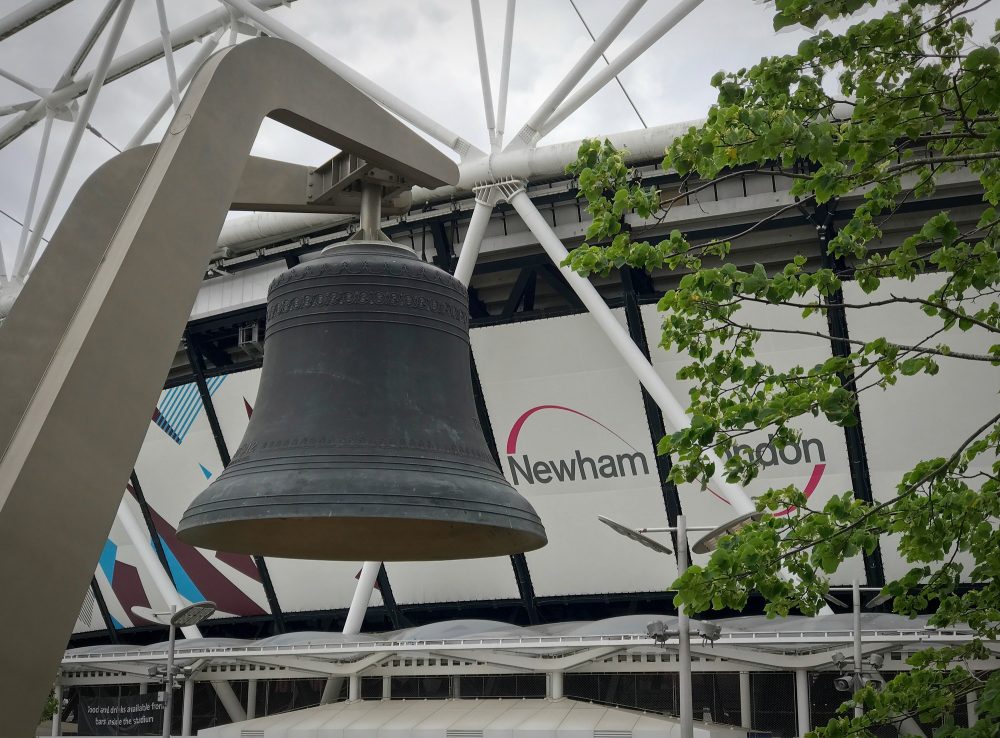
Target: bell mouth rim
{"type": "Point", "coordinates": [363, 538]}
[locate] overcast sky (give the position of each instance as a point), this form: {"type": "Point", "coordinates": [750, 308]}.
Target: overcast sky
{"type": "Point", "coordinates": [424, 52]}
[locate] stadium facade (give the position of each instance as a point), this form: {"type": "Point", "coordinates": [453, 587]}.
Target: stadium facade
{"type": "Point", "coordinates": [556, 394]}
{"type": "Point", "coordinates": [572, 430]}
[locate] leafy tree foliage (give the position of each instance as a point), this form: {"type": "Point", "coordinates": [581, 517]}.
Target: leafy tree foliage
{"type": "Point", "coordinates": [881, 113]}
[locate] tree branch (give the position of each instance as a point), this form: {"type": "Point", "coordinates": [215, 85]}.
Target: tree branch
{"type": "Point", "coordinates": [937, 352]}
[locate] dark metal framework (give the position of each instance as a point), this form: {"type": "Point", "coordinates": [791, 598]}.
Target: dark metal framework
{"type": "Point", "coordinates": [836, 317]}
{"type": "Point", "coordinates": [136, 489]}
{"type": "Point", "coordinates": [102, 605]}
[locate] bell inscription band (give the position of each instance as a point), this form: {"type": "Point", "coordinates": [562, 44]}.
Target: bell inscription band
{"type": "Point", "coordinates": [364, 442]}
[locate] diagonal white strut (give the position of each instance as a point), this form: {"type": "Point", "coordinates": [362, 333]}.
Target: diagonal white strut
{"type": "Point", "coordinates": [620, 62]}
{"type": "Point", "coordinates": [124, 64]}
{"type": "Point", "coordinates": [508, 42]}
{"type": "Point", "coordinates": [619, 337]}
{"type": "Point", "coordinates": [529, 133]}
{"type": "Point", "coordinates": [144, 548]}
{"type": "Point", "coordinates": [26, 256]}
{"type": "Point", "coordinates": [207, 47]}
{"type": "Point", "coordinates": [377, 93]}
{"type": "Point", "coordinates": [484, 74]}
{"type": "Point", "coordinates": [168, 53]}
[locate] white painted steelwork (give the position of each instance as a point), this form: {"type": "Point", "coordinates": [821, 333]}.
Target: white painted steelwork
{"type": "Point", "coordinates": [672, 409]}
{"type": "Point", "coordinates": [25, 256]}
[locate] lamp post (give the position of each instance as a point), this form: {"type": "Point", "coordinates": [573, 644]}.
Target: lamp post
{"type": "Point", "coordinates": [683, 624]}
{"type": "Point", "coordinates": [186, 616]}
{"type": "Point", "coordinates": [880, 598]}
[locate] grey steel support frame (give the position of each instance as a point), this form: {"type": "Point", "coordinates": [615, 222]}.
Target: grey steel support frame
{"type": "Point", "coordinates": [94, 331]}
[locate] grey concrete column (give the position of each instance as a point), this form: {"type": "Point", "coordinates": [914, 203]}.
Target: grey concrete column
{"type": "Point", "coordinates": [251, 699]}
{"type": "Point", "coordinates": [387, 687]}
{"type": "Point", "coordinates": [972, 708]}
{"type": "Point", "coordinates": [354, 688]}
{"type": "Point", "coordinates": [746, 708]}
{"type": "Point", "coordinates": [555, 685]}
{"type": "Point", "coordinates": [188, 707]}
{"type": "Point", "coordinates": [57, 715]}
{"type": "Point", "coordinates": [802, 701]}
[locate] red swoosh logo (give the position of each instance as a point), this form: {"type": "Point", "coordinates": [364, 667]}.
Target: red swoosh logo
{"type": "Point", "coordinates": [811, 485]}
{"type": "Point", "coordinates": [515, 431]}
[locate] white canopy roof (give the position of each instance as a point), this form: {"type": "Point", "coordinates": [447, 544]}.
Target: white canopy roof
{"type": "Point", "coordinates": [562, 718]}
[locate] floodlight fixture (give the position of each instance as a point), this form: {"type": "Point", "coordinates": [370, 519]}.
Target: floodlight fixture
{"type": "Point", "coordinates": [834, 601]}
{"type": "Point", "coordinates": [844, 683]}
{"type": "Point", "coordinates": [876, 660]}
{"type": "Point", "coordinates": [880, 599]}
{"type": "Point", "coordinates": [838, 659]}
{"type": "Point", "coordinates": [659, 631]}
{"type": "Point", "coordinates": [192, 614]}
{"type": "Point", "coordinates": [710, 631]}
{"type": "Point", "coordinates": [635, 535]}
{"type": "Point", "coordinates": [708, 542]}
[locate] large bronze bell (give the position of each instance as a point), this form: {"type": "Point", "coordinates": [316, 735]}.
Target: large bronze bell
{"type": "Point", "coordinates": [364, 442]}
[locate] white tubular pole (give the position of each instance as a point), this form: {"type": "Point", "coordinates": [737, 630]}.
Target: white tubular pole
{"type": "Point", "coordinates": [858, 654]}
{"type": "Point", "coordinates": [672, 410]}
{"type": "Point", "coordinates": [23, 263]}
{"type": "Point", "coordinates": [207, 47]}
{"type": "Point", "coordinates": [595, 83]}
{"type": "Point", "coordinates": [33, 192]}
{"type": "Point", "coordinates": [18, 107]}
{"type": "Point", "coordinates": [21, 83]}
{"type": "Point", "coordinates": [802, 701]}
{"type": "Point", "coordinates": [474, 238]}
{"type": "Point", "coordinates": [144, 549]}
{"type": "Point", "coordinates": [168, 53]}
{"type": "Point", "coordinates": [484, 73]}
{"type": "Point", "coordinates": [529, 133]}
{"type": "Point", "coordinates": [362, 596]}
{"type": "Point", "coordinates": [380, 95]}
{"type": "Point", "coordinates": [684, 690]}
{"type": "Point", "coordinates": [88, 43]}
{"type": "Point", "coordinates": [128, 62]}
{"type": "Point", "coordinates": [139, 539]}
{"type": "Point", "coordinates": [355, 618]}
{"type": "Point", "coordinates": [28, 13]}
{"type": "Point", "coordinates": [746, 706]}
{"type": "Point", "coordinates": [508, 42]}
{"type": "Point", "coordinates": [353, 687]}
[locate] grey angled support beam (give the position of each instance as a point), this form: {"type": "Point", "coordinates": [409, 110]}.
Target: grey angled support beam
{"type": "Point", "coordinates": [126, 263]}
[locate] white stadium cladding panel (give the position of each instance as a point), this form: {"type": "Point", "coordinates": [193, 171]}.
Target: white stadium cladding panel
{"type": "Point", "coordinates": [572, 436]}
